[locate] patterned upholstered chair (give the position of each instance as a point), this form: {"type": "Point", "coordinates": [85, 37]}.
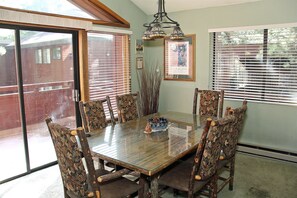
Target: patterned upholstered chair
{"type": "Point", "coordinates": [211, 102]}
{"type": "Point", "coordinates": [77, 183]}
{"type": "Point", "coordinates": [227, 158]}
{"type": "Point", "coordinates": [192, 176]}
{"type": "Point", "coordinates": [93, 115]}
{"type": "Point", "coordinates": [128, 107]}
{"type": "Point", "coordinates": [94, 118]}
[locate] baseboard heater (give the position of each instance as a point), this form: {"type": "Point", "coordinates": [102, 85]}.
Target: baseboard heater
{"type": "Point", "coordinates": [270, 153]}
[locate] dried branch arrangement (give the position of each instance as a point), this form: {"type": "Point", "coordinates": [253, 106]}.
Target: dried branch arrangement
{"type": "Point", "coordinates": [149, 80]}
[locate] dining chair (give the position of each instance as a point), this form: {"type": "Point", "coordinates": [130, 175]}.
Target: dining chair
{"type": "Point", "coordinates": [128, 107]}
{"type": "Point", "coordinates": [94, 118]}
{"type": "Point", "coordinates": [200, 173]}
{"type": "Point", "coordinates": [93, 114]}
{"type": "Point", "coordinates": [211, 102]}
{"type": "Point", "coordinates": [76, 182]}
{"type": "Point", "coordinates": [227, 158]}
{"type": "Point", "coordinates": [210, 105]}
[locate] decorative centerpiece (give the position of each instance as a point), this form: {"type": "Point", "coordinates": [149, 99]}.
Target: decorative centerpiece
{"type": "Point", "coordinates": [156, 124]}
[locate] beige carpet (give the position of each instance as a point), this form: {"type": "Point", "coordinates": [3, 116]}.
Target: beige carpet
{"type": "Point", "coordinates": [255, 177]}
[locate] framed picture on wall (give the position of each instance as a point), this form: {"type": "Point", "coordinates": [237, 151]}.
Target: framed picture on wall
{"type": "Point", "coordinates": [179, 59]}
{"type": "Point", "coordinates": [139, 46]}
{"type": "Point", "coordinates": [139, 62]}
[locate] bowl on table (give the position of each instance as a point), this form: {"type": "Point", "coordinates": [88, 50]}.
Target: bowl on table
{"type": "Point", "coordinates": [156, 124]}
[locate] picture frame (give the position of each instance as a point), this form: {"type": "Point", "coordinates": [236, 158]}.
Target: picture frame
{"type": "Point", "coordinates": [139, 45]}
{"type": "Point", "coordinates": [139, 62]}
{"type": "Point", "coordinates": [179, 58]}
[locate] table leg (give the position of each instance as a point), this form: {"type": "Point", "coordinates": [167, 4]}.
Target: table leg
{"type": "Point", "coordinates": [144, 191]}
{"type": "Point", "coordinates": [154, 186]}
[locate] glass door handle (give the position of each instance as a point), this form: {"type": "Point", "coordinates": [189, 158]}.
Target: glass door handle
{"type": "Point", "coordinates": [75, 95]}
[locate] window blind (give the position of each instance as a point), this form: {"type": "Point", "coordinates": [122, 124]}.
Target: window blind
{"type": "Point", "coordinates": [109, 67]}
{"type": "Point", "coordinates": [258, 65]}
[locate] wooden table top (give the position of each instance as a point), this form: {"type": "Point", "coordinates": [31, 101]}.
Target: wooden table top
{"type": "Point", "coordinates": [127, 145]}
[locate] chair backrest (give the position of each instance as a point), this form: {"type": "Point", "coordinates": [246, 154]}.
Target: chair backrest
{"type": "Point", "coordinates": [89, 161]}
{"type": "Point", "coordinates": [231, 139]}
{"type": "Point", "coordinates": [211, 102]}
{"type": "Point", "coordinates": [69, 157]}
{"type": "Point", "coordinates": [199, 152]}
{"type": "Point", "coordinates": [209, 148]}
{"type": "Point", "coordinates": [93, 115]}
{"type": "Point", "coordinates": [128, 107]}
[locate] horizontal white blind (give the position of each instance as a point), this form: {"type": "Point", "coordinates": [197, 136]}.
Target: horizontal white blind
{"type": "Point", "coordinates": [109, 66]}
{"type": "Point", "coordinates": [259, 65]}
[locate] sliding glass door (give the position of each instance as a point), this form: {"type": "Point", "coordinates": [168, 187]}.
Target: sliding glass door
{"type": "Point", "coordinates": [12, 150]}
{"type": "Point", "coordinates": [40, 70]}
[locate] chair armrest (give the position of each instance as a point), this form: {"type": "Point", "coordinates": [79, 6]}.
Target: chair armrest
{"type": "Point", "coordinates": [113, 175]}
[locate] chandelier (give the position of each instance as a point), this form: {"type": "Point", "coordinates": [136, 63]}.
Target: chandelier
{"type": "Point", "coordinates": [155, 29]}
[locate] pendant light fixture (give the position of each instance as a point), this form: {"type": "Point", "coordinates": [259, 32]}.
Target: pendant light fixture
{"type": "Point", "coordinates": [155, 29]}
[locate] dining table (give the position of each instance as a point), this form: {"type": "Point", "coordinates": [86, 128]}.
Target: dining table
{"type": "Point", "coordinates": [130, 146]}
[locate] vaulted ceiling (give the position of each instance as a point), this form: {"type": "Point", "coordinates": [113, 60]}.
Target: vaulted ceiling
{"type": "Point", "coordinates": [151, 6]}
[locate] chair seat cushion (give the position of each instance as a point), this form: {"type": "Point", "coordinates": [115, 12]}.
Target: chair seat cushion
{"type": "Point", "coordinates": [118, 188]}
{"type": "Point", "coordinates": [100, 172]}
{"type": "Point", "coordinates": [222, 163]}
{"type": "Point", "coordinates": [178, 177]}
{"type": "Point", "coordinates": [190, 158]}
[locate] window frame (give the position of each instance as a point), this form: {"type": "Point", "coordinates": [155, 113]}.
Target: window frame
{"type": "Point", "coordinates": [46, 56]}
{"type": "Point", "coordinates": [93, 7]}
{"type": "Point", "coordinates": [38, 56]}
{"type": "Point", "coordinates": [276, 92]}
{"type": "Point", "coordinates": [120, 80]}
{"type": "Point", "coordinates": [57, 53]}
